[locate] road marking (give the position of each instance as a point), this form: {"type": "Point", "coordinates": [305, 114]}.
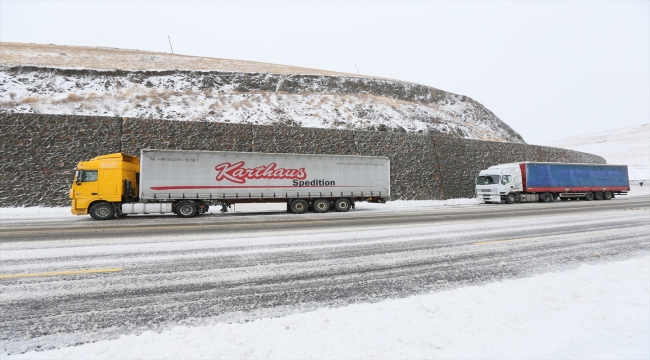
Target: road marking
{"type": "Point", "coordinates": [55, 273]}
{"type": "Point", "coordinates": [538, 237]}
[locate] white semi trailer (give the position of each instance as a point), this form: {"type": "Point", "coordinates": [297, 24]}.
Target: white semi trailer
{"type": "Point", "coordinates": [188, 182]}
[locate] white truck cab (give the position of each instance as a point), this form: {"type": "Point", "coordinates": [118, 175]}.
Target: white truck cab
{"type": "Point", "coordinates": [494, 184]}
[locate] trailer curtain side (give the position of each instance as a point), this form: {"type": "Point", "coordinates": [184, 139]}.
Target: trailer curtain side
{"type": "Point", "coordinates": [540, 175]}
{"type": "Point", "coordinates": [167, 174]}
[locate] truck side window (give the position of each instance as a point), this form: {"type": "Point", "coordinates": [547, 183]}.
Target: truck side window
{"type": "Point", "coordinates": [88, 176]}
{"type": "Point", "coordinates": [507, 179]}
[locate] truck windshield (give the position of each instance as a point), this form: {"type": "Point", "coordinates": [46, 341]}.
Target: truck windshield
{"type": "Point", "coordinates": [487, 180]}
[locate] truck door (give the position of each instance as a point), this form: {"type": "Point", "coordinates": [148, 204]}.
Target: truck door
{"type": "Point", "coordinates": [505, 185]}
{"type": "Point", "coordinates": [86, 188]}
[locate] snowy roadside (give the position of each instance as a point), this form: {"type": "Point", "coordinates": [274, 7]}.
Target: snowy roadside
{"type": "Point", "coordinates": [592, 312]}
{"type": "Point", "coordinates": [63, 213]}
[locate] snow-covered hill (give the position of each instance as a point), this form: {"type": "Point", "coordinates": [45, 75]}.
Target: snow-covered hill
{"type": "Point", "coordinates": [320, 100]}
{"type": "Point", "coordinates": [628, 146]}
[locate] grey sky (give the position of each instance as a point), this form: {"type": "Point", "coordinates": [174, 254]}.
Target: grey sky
{"type": "Point", "coordinates": [548, 69]}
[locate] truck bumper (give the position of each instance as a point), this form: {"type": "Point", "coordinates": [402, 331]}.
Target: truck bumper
{"type": "Point", "coordinates": [76, 211]}
{"type": "Point", "coordinates": [491, 198]}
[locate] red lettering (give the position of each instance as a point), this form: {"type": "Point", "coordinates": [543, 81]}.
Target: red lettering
{"type": "Point", "coordinates": [237, 173]}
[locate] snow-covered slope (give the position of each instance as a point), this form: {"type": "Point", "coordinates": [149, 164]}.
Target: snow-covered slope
{"type": "Point", "coordinates": [627, 146]}
{"type": "Point", "coordinates": [318, 99]}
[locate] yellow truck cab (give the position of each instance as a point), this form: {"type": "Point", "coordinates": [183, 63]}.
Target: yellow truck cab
{"type": "Point", "coordinates": [102, 182]}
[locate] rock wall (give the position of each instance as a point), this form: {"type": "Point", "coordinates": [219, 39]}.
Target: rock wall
{"type": "Point", "coordinates": [39, 152]}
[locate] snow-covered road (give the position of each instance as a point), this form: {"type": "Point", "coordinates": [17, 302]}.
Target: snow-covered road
{"type": "Point", "coordinates": [598, 311]}
{"type": "Point", "coordinates": [154, 282]}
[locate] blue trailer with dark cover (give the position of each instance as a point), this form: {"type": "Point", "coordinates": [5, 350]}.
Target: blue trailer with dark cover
{"type": "Point", "coordinates": [537, 181]}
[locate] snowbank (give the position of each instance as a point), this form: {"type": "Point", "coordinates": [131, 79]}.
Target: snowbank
{"type": "Point", "coordinates": [592, 312]}
{"type": "Point", "coordinates": [629, 146]}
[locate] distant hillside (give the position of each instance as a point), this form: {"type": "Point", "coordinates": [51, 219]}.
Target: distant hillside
{"type": "Point", "coordinates": [54, 79]}
{"type": "Point", "coordinates": [102, 58]}
{"type": "Point", "coordinates": [627, 146]}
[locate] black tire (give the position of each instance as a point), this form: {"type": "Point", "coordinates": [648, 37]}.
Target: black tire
{"type": "Point", "coordinates": [320, 205]}
{"type": "Point", "coordinates": [342, 205]}
{"type": "Point", "coordinates": [589, 196]}
{"type": "Point", "coordinates": [511, 199]}
{"type": "Point", "coordinates": [598, 195]}
{"type": "Point", "coordinates": [187, 209]}
{"type": "Point", "coordinates": [102, 211]}
{"type": "Point", "coordinates": [607, 195]}
{"type": "Point", "coordinates": [546, 197]}
{"type": "Point", "coordinates": [299, 206]}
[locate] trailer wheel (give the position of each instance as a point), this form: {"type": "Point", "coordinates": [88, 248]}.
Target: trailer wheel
{"type": "Point", "coordinates": [320, 205]}
{"type": "Point", "coordinates": [299, 206]}
{"type": "Point", "coordinates": [608, 195]}
{"type": "Point", "coordinates": [102, 211]}
{"type": "Point", "coordinates": [589, 196]}
{"type": "Point", "coordinates": [598, 195]}
{"type": "Point", "coordinates": [187, 209]}
{"type": "Point", "coordinates": [546, 197]}
{"type": "Point", "coordinates": [342, 205]}
{"type": "Point", "coordinates": [511, 199]}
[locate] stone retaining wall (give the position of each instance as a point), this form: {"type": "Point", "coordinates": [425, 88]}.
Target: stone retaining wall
{"type": "Point", "coordinates": [39, 152]}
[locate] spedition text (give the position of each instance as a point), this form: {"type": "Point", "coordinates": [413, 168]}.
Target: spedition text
{"type": "Point", "coordinates": [319, 182]}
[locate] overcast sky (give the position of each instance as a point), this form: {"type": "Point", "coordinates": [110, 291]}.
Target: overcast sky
{"type": "Point", "coordinates": [550, 70]}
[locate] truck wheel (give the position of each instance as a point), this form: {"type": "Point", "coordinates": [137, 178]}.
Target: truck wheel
{"type": "Point", "coordinates": [320, 205]}
{"type": "Point", "coordinates": [102, 211]}
{"type": "Point", "coordinates": [589, 196]}
{"type": "Point", "coordinates": [186, 209]}
{"type": "Point", "coordinates": [342, 205]}
{"type": "Point", "coordinates": [511, 199]}
{"type": "Point", "coordinates": [598, 195]}
{"type": "Point", "coordinates": [547, 197]}
{"type": "Point", "coordinates": [299, 206]}
{"type": "Point", "coordinates": [608, 195]}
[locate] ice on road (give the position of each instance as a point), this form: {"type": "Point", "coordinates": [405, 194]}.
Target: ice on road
{"type": "Point", "coordinates": [592, 312]}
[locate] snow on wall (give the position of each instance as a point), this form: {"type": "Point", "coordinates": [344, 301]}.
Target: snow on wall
{"type": "Point", "coordinates": [316, 101]}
